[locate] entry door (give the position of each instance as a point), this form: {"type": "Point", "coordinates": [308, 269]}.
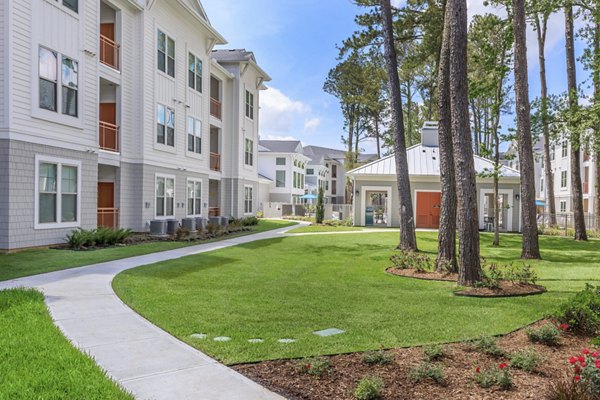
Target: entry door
{"type": "Point", "coordinates": [428, 210]}
{"type": "Point", "coordinates": [106, 204]}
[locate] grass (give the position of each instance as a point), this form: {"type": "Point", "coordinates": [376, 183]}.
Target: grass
{"type": "Point", "coordinates": [291, 286]}
{"type": "Point", "coordinates": [325, 228]}
{"type": "Point", "coordinates": [33, 262]}
{"type": "Point", "coordinates": [38, 362]}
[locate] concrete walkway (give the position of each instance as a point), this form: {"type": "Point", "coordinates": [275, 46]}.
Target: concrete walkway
{"type": "Point", "coordinates": [143, 358]}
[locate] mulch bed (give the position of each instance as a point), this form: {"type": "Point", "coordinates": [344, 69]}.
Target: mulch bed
{"type": "Point", "coordinates": [505, 289]}
{"type": "Point", "coordinates": [459, 365]}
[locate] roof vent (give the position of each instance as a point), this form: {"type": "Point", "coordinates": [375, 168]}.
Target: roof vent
{"type": "Point", "coordinates": [429, 134]}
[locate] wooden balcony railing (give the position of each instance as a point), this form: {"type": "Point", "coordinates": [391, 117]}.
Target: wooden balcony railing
{"type": "Point", "coordinates": [109, 136]}
{"type": "Point", "coordinates": [109, 52]}
{"type": "Point", "coordinates": [214, 211]}
{"type": "Point", "coordinates": [215, 161]}
{"type": "Point", "coordinates": [586, 187]}
{"type": "Point", "coordinates": [215, 108]}
{"type": "Point", "coordinates": [108, 217]}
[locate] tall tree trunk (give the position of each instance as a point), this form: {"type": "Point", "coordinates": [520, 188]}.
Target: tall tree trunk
{"type": "Point", "coordinates": [350, 141]}
{"type": "Point", "coordinates": [446, 258]}
{"type": "Point", "coordinates": [576, 189]}
{"type": "Point", "coordinates": [469, 268]}
{"type": "Point", "coordinates": [496, 241]}
{"type": "Point", "coordinates": [409, 122]}
{"type": "Point", "coordinates": [542, 29]}
{"type": "Point", "coordinates": [596, 78]}
{"type": "Point", "coordinates": [377, 137]}
{"type": "Point", "coordinates": [408, 238]}
{"type": "Point", "coordinates": [530, 248]}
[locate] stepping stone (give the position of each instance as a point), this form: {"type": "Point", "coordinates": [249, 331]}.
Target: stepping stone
{"type": "Point", "coordinates": [329, 332]}
{"type": "Point", "coordinates": [255, 341]}
{"type": "Point", "coordinates": [198, 336]}
{"type": "Point", "coordinates": [286, 340]}
{"type": "Point", "coordinates": [222, 339]}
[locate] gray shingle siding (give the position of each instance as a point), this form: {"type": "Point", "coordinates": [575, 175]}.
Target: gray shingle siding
{"type": "Point", "coordinates": [22, 196]}
{"type": "Point", "coordinates": [4, 193]}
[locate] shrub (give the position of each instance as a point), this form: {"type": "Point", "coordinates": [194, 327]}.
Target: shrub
{"type": "Point", "coordinates": [582, 311]}
{"type": "Point", "coordinates": [79, 239]}
{"type": "Point", "coordinates": [487, 345]}
{"type": "Point", "coordinates": [368, 388]}
{"type": "Point", "coordinates": [408, 259]}
{"type": "Point", "coordinates": [260, 214]}
{"type": "Point", "coordinates": [547, 334]}
{"type": "Point", "coordinates": [434, 352]}
{"type": "Point", "coordinates": [314, 366]}
{"type": "Point", "coordinates": [499, 375]}
{"type": "Point", "coordinates": [377, 357]}
{"type": "Point", "coordinates": [320, 210]}
{"type": "Point", "coordinates": [493, 274]}
{"type": "Point", "coordinates": [83, 238]}
{"type": "Point", "coordinates": [182, 233]}
{"type": "Point", "coordinates": [568, 389]}
{"type": "Point", "coordinates": [527, 360]}
{"type": "Point", "coordinates": [250, 221]}
{"type": "Point", "coordinates": [586, 371]}
{"type": "Point", "coordinates": [427, 370]}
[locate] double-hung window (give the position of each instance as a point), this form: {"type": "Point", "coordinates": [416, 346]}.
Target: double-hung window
{"type": "Point", "coordinates": [249, 152]}
{"type": "Point", "coordinates": [248, 199]}
{"type": "Point", "coordinates": [249, 104]}
{"type": "Point", "coordinates": [279, 179]}
{"type": "Point", "coordinates": [563, 206]}
{"type": "Point", "coordinates": [50, 81]}
{"type": "Point", "coordinates": [165, 196]}
{"type": "Point", "coordinates": [195, 73]}
{"type": "Point", "coordinates": [280, 161]}
{"type": "Point", "coordinates": [565, 148]}
{"type": "Point", "coordinates": [194, 198]}
{"type": "Point", "coordinates": [194, 131]}
{"type": "Point", "coordinates": [165, 125]}
{"type": "Point", "coordinates": [165, 47]}
{"type": "Point", "coordinates": [57, 192]}
{"type": "Point", "coordinates": [563, 179]}
{"type": "Point", "coordinates": [71, 4]}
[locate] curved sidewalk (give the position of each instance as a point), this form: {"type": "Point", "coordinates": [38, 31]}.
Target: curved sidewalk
{"type": "Point", "coordinates": [144, 359]}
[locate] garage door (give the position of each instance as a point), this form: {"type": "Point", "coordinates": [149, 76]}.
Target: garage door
{"type": "Point", "coordinates": [428, 209]}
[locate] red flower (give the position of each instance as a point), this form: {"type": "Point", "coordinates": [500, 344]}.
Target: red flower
{"type": "Point", "coordinates": [577, 378]}
{"type": "Point", "coordinates": [572, 360]}
{"type": "Point", "coordinates": [503, 365]}
{"type": "Point", "coordinates": [596, 354]}
{"type": "Point", "coordinates": [577, 369]}
{"type": "Point", "coordinates": [477, 370]}
{"type": "Point", "coordinates": [586, 351]}
{"type": "Point", "coordinates": [583, 365]}
{"type": "Point", "coordinates": [581, 359]}
{"type": "Point", "coordinates": [597, 363]}
{"type": "Point", "coordinates": [307, 366]}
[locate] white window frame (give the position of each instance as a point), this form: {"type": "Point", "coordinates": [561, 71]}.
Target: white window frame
{"type": "Point", "coordinates": [284, 178]}
{"type": "Point", "coordinates": [168, 111]}
{"type": "Point", "coordinates": [165, 177]}
{"type": "Point", "coordinates": [566, 183]}
{"type": "Point", "coordinates": [59, 113]}
{"type": "Point", "coordinates": [166, 56]}
{"type": "Point", "coordinates": [564, 149]}
{"type": "Point", "coordinates": [561, 208]}
{"type": "Point", "coordinates": [248, 154]}
{"type": "Point", "coordinates": [280, 158]}
{"type": "Point", "coordinates": [187, 199]}
{"type": "Point", "coordinates": [249, 100]}
{"type": "Point", "coordinates": [248, 201]}
{"type": "Point", "coordinates": [60, 162]}
{"type": "Point", "coordinates": [195, 72]}
{"type": "Point", "coordinates": [187, 136]}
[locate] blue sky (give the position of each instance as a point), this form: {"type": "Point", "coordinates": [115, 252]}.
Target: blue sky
{"type": "Point", "coordinates": [295, 42]}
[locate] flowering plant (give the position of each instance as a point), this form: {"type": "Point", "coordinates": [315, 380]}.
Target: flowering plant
{"type": "Point", "coordinates": [586, 369]}
{"type": "Point", "coordinates": [498, 375]}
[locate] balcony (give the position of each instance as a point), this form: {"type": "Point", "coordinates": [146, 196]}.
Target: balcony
{"type": "Point", "coordinates": [109, 136]}
{"type": "Point", "coordinates": [215, 108]}
{"type": "Point", "coordinates": [108, 217]}
{"type": "Point", "coordinates": [109, 52]}
{"type": "Point", "coordinates": [586, 187]}
{"type": "Point", "coordinates": [215, 162]}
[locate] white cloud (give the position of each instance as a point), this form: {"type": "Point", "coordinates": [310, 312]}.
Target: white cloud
{"type": "Point", "coordinates": [312, 124]}
{"type": "Point", "coordinates": [277, 137]}
{"type": "Point", "coordinates": [280, 114]}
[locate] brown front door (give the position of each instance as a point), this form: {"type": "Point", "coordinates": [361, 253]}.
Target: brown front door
{"type": "Point", "coordinates": [428, 209]}
{"type": "Point", "coordinates": [107, 215]}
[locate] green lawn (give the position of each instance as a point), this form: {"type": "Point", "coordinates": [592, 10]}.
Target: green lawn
{"type": "Point", "coordinates": [32, 262]}
{"type": "Point", "coordinates": [289, 287]}
{"type": "Point", "coordinates": [38, 362]}
{"type": "Point", "coordinates": [325, 228]}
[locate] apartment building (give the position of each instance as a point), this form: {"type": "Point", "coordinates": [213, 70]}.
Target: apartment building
{"type": "Point", "coordinates": [120, 112]}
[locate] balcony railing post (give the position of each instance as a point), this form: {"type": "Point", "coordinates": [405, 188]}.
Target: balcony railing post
{"type": "Point", "coordinates": [215, 108]}
{"type": "Point", "coordinates": [215, 161]}
{"type": "Point", "coordinates": [109, 136]}
{"type": "Point", "coordinates": [109, 52]}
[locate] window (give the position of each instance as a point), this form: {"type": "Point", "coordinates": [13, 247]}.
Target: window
{"type": "Point", "coordinates": [49, 79]}
{"type": "Point", "coordinates": [69, 86]}
{"type": "Point", "coordinates": [542, 186]}
{"type": "Point", "coordinates": [195, 73]}
{"type": "Point", "coordinates": [249, 105]}
{"type": "Point", "coordinates": [279, 178]}
{"type": "Point", "coordinates": [552, 153]}
{"type": "Point", "coordinates": [563, 179]}
{"type": "Point", "coordinates": [565, 148]}
{"type": "Point", "coordinates": [248, 199]}
{"type": "Point", "coordinates": [165, 125]}
{"type": "Point", "coordinates": [310, 171]}
{"type": "Point", "coordinates": [194, 131]}
{"type": "Point", "coordinates": [249, 153]}
{"type": "Point", "coordinates": [326, 185]}
{"type": "Point", "coordinates": [334, 171]}
{"type": "Point", "coordinates": [165, 53]}
{"type": "Point", "coordinates": [334, 186]}
{"type": "Point", "coordinates": [72, 4]}
{"type": "Point", "coordinates": [563, 206]}
{"type": "Point", "coordinates": [165, 196]}
{"type": "Point", "coordinates": [57, 192]}
{"type": "Point", "coordinates": [280, 161]}
{"type": "Point", "coordinates": [194, 198]}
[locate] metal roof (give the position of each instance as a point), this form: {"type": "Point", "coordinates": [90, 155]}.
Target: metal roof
{"type": "Point", "coordinates": [281, 146]}
{"type": "Point", "coordinates": [424, 161]}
